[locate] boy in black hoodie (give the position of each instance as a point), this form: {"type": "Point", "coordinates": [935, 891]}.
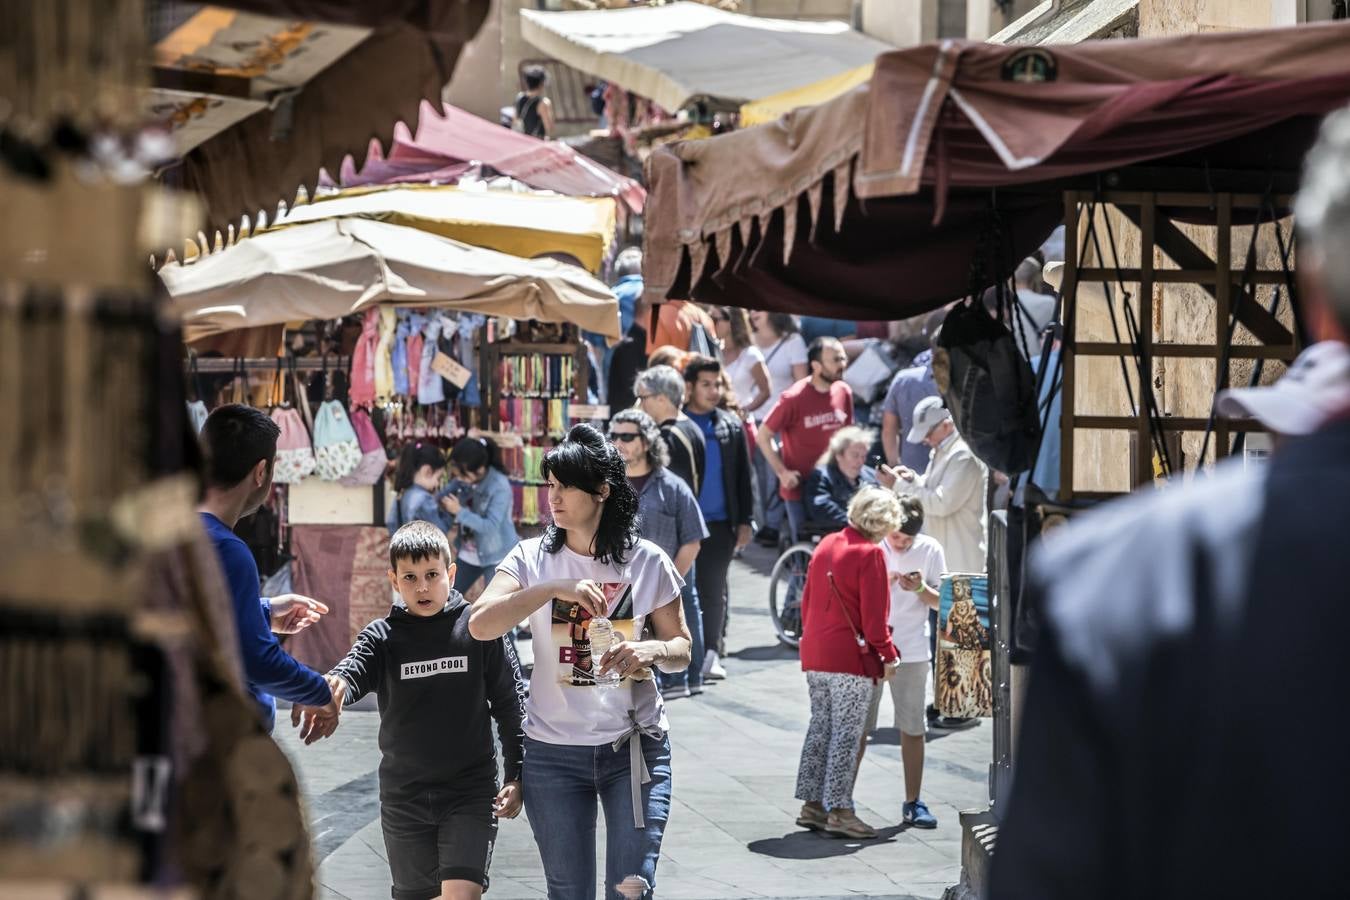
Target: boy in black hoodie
{"type": "Point", "coordinates": [437, 687]}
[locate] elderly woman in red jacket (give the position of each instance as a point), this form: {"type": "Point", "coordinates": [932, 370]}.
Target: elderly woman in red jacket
{"type": "Point", "coordinates": [846, 650]}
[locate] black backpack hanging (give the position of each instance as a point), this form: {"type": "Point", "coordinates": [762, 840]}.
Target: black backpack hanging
{"type": "Point", "coordinates": [990, 388]}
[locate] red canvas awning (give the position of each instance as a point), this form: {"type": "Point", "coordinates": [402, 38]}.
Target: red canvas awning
{"type": "Point", "coordinates": [450, 140]}
{"type": "Point", "coordinates": [261, 106]}
{"type": "Point", "coordinates": [879, 202]}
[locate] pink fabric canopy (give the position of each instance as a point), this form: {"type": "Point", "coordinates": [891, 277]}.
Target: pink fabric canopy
{"type": "Point", "coordinates": [450, 141]}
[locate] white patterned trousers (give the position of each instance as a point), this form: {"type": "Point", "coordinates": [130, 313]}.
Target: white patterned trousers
{"type": "Point", "coordinates": [839, 705]}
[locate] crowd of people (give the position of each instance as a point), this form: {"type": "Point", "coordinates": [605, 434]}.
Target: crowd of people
{"type": "Point", "coordinates": [736, 422]}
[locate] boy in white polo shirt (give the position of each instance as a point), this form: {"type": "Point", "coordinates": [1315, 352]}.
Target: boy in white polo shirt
{"type": "Point", "coordinates": [915, 563]}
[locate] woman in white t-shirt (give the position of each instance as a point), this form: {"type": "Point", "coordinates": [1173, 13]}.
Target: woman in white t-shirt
{"type": "Point", "coordinates": [779, 338]}
{"type": "Point", "coordinates": [589, 745]}
{"type": "Point", "coordinates": [741, 359]}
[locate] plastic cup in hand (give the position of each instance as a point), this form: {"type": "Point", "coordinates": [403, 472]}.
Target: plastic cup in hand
{"type": "Point", "coordinates": [601, 633]}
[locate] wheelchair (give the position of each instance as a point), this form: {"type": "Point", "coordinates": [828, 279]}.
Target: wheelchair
{"type": "Point", "coordinates": [787, 582]}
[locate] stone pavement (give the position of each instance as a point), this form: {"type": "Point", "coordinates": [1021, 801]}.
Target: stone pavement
{"type": "Point", "coordinates": [731, 831]}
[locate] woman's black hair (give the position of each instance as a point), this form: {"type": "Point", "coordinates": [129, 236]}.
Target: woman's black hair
{"type": "Point", "coordinates": [471, 454]}
{"type": "Point", "coordinates": [585, 460]}
{"type": "Point", "coordinates": [412, 459]}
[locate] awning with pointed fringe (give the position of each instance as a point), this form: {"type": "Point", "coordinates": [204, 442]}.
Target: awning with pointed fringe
{"type": "Point", "coordinates": [259, 98]}
{"type": "Point", "coordinates": [950, 165]}
{"type": "Point", "coordinates": [449, 142]}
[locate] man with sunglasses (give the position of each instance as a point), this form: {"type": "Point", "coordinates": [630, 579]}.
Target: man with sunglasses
{"type": "Point", "coordinates": [670, 518]}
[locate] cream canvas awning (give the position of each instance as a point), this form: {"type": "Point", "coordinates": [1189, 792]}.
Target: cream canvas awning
{"type": "Point", "coordinates": [680, 52]}
{"type": "Point", "coordinates": [521, 224]}
{"type": "Point", "coordinates": [337, 267]}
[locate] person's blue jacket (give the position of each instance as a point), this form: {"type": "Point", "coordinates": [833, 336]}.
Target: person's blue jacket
{"type": "Point", "coordinates": [490, 517]}
{"type": "Point", "coordinates": [418, 503]}
{"type": "Point", "coordinates": [268, 669]}
{"type": "Point", "coordinates": [827, 493]}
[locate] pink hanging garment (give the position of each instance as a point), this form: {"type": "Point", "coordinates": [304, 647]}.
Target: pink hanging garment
{"type": "Point", "coordinates": [362, 390]}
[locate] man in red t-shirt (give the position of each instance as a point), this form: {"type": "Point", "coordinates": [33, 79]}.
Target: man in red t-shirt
{"type": "Point", "coordinates": [805, 417]}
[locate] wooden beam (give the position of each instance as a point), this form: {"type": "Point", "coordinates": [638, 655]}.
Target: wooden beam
{"type": "Point", "coordinates": [1169, 423]}
{"type": "Point", "coordinates": [1148, 215]}
{"type": "Point", "coordinates": [1207, 277]}
{"type": "Point", "coordinates": [1069, 293]}
{"type": "Point", "coordinates": [195, 82]}
{"type": "Point", "coordinates": [1223, 298]}
{"type": "Point", "coordinates": [1183, 251]}
{"type": "Point", "coordinates": [1187, 351]}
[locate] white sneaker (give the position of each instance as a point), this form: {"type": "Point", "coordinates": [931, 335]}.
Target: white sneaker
{"type": "Point", "coordinates": [712, 667]}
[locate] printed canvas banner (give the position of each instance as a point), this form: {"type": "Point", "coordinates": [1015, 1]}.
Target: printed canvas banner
{"type": "Point", "coordinates": [571, 624]}
{"type": "Point", "coordinates": [964, 687]}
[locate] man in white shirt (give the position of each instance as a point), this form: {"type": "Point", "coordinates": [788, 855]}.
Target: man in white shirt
{"type": "Point", "coordinates": [915, 563]}
{"type": "Point", "coordinates": [953, 489]}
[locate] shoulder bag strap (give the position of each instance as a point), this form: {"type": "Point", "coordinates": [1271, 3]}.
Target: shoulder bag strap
{"type": "Point", "coordinates": [768, 356]}
{"type": "Point", "coordinates": [834, 591]}
{"type": "Point", "coordinates": [693, 460]}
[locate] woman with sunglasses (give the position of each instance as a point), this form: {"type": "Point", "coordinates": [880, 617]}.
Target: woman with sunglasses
{"type": "Point", "coordinates": [668, 511]}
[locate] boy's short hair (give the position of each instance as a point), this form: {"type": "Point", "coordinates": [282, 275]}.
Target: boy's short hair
{"type": "Point", "coordinates": [234, 439]}
{"type": "Point", "coordinates": [417, 541]}
{"type": "Point", "coordinates": [697, 364]}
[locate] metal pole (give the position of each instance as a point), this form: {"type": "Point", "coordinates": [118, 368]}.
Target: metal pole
{"type": "Point", "coordinates": [1000, 631]}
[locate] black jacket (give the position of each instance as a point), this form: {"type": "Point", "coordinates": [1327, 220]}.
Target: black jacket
{"type": "Point", "coordinates": [827, 493]}
{"type": "Point", "coordinates": [1181, 627]}
{"type": "Point", "coordinates": [688, 456]}
{"type": "Point", "coordinates": [437, 688]}
{"type": "Point", "coordinates": [729, 432]}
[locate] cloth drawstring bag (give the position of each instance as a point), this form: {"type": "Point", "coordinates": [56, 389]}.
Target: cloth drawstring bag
{"type": "Point", "coordinates": [336, 448]}
{"type": "Point", "coordinates": [373, 458]}
{"type": "Point", "coordinates": [361, 391]}
{"type": "Point", "coordinates": [295, 457]}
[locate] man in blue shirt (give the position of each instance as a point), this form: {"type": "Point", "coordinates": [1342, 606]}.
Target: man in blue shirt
{"type": "Point", "coordinates": [240, 445]}
{"type": "Point", "coordinates": [907, 388]}
{"type": "Point", "coordinates": [627, 289]}
{"type": "Point", "coordinates": [724, 497]}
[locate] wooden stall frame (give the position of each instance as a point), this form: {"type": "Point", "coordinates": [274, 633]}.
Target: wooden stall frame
{"type": "Point", "coordinates": [1146, 210]}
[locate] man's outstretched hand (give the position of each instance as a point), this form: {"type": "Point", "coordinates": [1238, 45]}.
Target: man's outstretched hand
{"type": "Point", "coordinates": [293, 612]}
{"type": "Point", "coordinates": [318, 722]}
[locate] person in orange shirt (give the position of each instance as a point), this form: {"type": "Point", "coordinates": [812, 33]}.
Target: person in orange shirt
{"type": "Point", "coordinates": [675, 322]}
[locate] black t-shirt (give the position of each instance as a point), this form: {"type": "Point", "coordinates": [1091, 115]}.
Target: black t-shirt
{"type": "Point", "coordinates": [527, 111]}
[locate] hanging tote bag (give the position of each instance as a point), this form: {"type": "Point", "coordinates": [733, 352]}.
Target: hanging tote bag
{"type": "Point", "coordinates": [295, 456]}
{"type": "Point", "coordinates": [964, 686]}
{"type": "Point", "coordinates": [336, 449]}
{"type": "Point", "coordinates": [373, 458]}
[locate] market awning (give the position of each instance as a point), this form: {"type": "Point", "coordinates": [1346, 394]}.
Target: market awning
{"type": "Point", "coordinates": [680, 52]}
{"type": "Point", "coordinates": [771, 108]}
{"type": "Point", "coordinates": [258, 101]}
{"type": "Point", "coordinates": [879, 202]}
{"type": "Point", "coordinates": [449, 140]}
{"type": "Point", "coordinates": [329, 269]}
{"type": "Point", "coordinates": [525, 225]}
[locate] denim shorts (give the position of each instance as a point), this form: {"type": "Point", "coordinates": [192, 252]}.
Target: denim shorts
{"type": "Point", "coordinates": [438, 835]}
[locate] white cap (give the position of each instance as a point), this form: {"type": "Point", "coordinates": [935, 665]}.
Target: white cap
{"type": "Point", "coordinates": [1316, 387]}
{"type": "Point", "coordinates": [928, 414]}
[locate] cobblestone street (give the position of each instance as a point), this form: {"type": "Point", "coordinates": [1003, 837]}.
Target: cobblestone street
{"type": "Point", "coordinates": [731, 833]}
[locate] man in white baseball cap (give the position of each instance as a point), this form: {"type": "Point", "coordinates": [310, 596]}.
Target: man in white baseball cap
{"type": "Point", "coordinates": [952, 488]}
{"type": "Point", "coordinates": [1314, 390]}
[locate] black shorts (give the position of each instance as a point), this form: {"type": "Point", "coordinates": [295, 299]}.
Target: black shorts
{"type": "Point", "coordinates": [437, 836]}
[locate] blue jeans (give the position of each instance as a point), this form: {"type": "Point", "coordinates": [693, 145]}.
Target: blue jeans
{"type": "Point", "coordinates": [562, 785]}
{"type": "Point", "coordinates": [693, 617]}
{"type": "Point", "coordinates": [796, 518]}
{"type": "Point", "coordinates": [770, 502]}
